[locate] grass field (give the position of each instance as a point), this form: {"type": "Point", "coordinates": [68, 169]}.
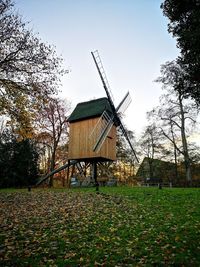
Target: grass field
{"type": "Point", "coordinates": [121, 226]}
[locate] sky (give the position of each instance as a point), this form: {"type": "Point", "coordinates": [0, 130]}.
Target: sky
{"type": "Point", "coordinates": [131, 37]}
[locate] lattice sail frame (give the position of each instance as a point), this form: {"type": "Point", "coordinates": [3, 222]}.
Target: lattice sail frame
{"type": "Point", "coordinates": [101, 131]}
{"type": "Point", "coordinates": [115, 118]}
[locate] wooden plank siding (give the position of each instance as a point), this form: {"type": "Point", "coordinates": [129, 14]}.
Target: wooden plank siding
{"type": "Point", "coordinates": [81, 144]}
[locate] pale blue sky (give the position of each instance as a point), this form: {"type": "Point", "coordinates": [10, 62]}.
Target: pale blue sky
{"type": "Point", "coordinates": [132, 40]}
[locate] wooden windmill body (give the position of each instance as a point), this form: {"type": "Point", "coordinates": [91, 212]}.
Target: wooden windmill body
{"type": "Point", "coordinates": [85, 124]}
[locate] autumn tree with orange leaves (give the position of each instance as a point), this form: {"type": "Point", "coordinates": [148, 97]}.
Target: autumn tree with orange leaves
{"type": "Point", "coordinates": [30, 70]}
{"type": "Point", "coordinates": [53, 128]}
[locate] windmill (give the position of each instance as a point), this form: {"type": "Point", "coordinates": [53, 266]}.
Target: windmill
{"type": "Point", "coordinates": [115, 117]}
{"type": "Point", "coordinates": [93, 124]}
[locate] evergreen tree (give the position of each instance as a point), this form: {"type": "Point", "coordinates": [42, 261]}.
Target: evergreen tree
{"type": "Point", "coordinates": [18, 161]}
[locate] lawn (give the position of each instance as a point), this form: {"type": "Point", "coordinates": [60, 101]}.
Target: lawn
{"type": "Point", "coordinates": [121, 226]}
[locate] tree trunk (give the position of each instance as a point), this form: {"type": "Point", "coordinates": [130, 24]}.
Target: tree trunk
{"type": "Point", "coordinates": [52, 167]}
{"type": "Point", "coordinates": [184, 143]}
{"type": "Point", "coordinates": [175, 153]}
{"type": "Point", "coordinates": [176, 164]}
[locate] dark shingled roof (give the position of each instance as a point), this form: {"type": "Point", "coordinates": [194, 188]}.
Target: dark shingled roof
{"type": "Point", "coordinates": [90, 109]}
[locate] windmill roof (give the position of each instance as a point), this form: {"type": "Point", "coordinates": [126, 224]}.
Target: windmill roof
{"type": "Point", "coordinates": [90, 109]}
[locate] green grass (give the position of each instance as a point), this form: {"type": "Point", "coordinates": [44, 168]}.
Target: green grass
{"type": "Point", "coordinates": [121, 226]}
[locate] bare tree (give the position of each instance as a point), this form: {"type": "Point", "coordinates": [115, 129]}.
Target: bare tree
{"type": "Point", "coordinates": [52, 120]}
{"type": "Point", "coordinates": [151, 146]}
{"type": "Point", "coordinates": [177, 112]}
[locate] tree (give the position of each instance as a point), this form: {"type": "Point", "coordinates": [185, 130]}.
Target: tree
{"type": "Point", "coordinates": [168, 119]}
{"type": "Point", "coordinates": [177, 113]}
{"type": "Point", "coordinates": [29, 69]}
{"type": "Point", "coordinates": [43, 140]}
{"type": "Point", "coordinates": [18, 161]}
{"type": "Point", "coordinates": [151, 147]}
{"type": "Point", "coordinates": [184, 16]}
{"type": "Point", "coordinates": [52, 121]}
{"type": "Point", "coordinates": [163, 115]}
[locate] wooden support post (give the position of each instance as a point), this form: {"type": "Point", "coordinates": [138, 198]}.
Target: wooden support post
{"type": "Point", "coordinates": [94, 173]}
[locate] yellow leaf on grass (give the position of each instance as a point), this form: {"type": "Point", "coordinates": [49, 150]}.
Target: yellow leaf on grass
{"type": "Point", "coordinates": [177, 238]}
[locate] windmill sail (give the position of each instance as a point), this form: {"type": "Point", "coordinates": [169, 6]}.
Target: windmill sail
{"type": "Point", "coordinates": [100, 125]}
{"type": "Point", "coordinates": [115, 118]}
{"type": "Point", "coordinates": [101, 130]}
{"type": "Point", "coordinates": [103, 77]}
{"type": "Point", "coordinates": [123, 105]}
{"type": "Point", "coordinates": [103, 136]}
